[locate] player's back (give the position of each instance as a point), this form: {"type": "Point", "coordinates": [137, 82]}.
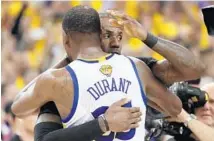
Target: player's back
{"type": "Point", "coordinates": [98, 84]}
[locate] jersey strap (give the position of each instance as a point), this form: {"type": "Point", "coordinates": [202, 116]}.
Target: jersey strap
{"type": "Point", "coordinates": [97, 60]}
{"type": "Point", "coordinates": [139, 81]}
{"type": "Point", "coordinates": [76, 94]}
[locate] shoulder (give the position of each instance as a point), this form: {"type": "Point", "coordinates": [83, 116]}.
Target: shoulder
{"type": "Point", "coordinates": [54, 78]}
{"type": "Point", "coordinates": [143, 70]}
{"type": "Point", "coordinates": [149, 61]}
{"type": "Point", "coordinates": [140, 65]}
{"type": "Point", "coordinates": [53, 75]}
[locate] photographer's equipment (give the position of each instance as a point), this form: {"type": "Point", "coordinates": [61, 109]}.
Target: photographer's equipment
{"type": "Point", "coordinates": [154, 128]}
{"type": "Point", "coordinates": [208, 13]}
{"type": "Point", "coordinates": [191, 97]}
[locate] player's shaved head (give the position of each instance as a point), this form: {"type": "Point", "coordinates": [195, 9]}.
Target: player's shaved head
{"type": "Point", "coordinates": [81, 29]}
{"type": "Point", "coordinates": [81, 19]}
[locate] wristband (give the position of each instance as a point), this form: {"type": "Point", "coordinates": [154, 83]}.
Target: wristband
{"type": "Point", "coordinates": [151, 40]}
{"type": "Point", "coordinates": [190, 118]}
{"type": "Point", "coordinates": [105, 122]}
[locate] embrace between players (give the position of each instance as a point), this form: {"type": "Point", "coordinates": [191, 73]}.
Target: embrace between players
{"type": "Point", "coordinates": [88, 88]}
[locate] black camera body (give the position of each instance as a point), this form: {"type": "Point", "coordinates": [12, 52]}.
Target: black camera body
{"type": "Point", "coordinates": [191, 97]}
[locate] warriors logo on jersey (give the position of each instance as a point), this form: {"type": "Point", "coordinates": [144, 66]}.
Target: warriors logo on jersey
{"type": "Point", "coordinates": [106, 70]}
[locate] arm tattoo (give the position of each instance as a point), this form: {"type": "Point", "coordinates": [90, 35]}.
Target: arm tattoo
{"type": "Point", "coordinates": [61, 84]}
{"type": "Point", "coordinates": [176, 54]}
{"type": "Point", "coordinates": [65, 83]}
{"type": "Point", "coordinates": [163, 73]}
{"type": "Point", "coordinates": [180, 60]}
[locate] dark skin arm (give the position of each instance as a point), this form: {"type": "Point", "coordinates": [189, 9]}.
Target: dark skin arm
{"type": "Point", "coordinates": [180, 64]}
{"type": "Point", "coordinates": [159, 97]}
{"type": "Point", "coordinates": [37, 95]}
{"type": "Point", "coordinates": [62, 63]}
{"type": "Point", "coordinates": [28, 90]}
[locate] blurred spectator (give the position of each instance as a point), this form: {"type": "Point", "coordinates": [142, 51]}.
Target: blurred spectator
{"type": "Point", "coordinates": [15, 129]}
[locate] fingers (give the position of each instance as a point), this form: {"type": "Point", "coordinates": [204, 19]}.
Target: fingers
{"type": "Point", "coordinates": [121, 102]}
{"type": "Point", "coordinates": [115, 22]}
{"type": "Point", "coordinates": [118, 14]}
{"type": "Point", "coordinates": [135, 120]}
{"type": "Point", "coordinates": [134, 126]}
{"type": "Point", "coordinates": [133, 109]}
{"type": "Point", "coordinates": [136, 115]}
{"type": "Point", "coordinates": [134, 123]}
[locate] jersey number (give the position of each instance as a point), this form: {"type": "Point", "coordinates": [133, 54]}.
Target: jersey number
{"type": "Point", "coordinates": [120, 135]}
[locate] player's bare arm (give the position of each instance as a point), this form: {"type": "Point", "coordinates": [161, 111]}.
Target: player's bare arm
{"type": "Point", "coordinates": [156, 93]}
{"type": "Point", "coordinates": [62, 63]}
{"type": "Point", "coordinates": [180, 65]}
{"type": "Point", "coordinates": [26, 102]}
{"type": "Point", "coordinates": [47, 88]}
{"type": "Point", "coordinates": [28, 89]}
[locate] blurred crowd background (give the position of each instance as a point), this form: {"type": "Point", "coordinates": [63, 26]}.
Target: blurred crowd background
{"type": "Point", "coordinates": [31, 41]}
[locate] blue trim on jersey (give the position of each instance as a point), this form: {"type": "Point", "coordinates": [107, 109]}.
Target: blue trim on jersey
{"type": "Point", "coordinates": [76, 94]}
{"type": "Point", "coordinates": [99, 111]}
{"type": "Point", "coordinates": [95, 61]}
{"type": "Point", "coordinates": [108, 57]}
{"type": "Point", "coordinates": [88, 61]}
{"type": "Point", "coordinates": [139, 81]}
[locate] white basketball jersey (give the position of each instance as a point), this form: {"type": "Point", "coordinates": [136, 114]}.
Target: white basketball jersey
{"type": "Point", "coordinates": [98, 84]}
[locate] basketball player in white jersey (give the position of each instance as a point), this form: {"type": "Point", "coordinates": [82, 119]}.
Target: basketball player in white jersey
{"type": "Point", "coordinates": [84, 89]}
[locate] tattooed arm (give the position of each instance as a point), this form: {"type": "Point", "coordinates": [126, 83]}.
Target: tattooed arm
{"type": "Point", "coordinates": [27, 102]}
{"type": "Point", "coordinates": [159, 97]}
{"type": "Point", "coordinates": [62, 63]}
{"type": "Point", "coordinates": [180, 65]}
{"type": "Point", "coordinates": [47, 88]}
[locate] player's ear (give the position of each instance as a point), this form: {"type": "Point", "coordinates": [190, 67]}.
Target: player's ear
{"type": "Point", "coordinates": [101, 36]}
{"type": "Point", "coordinates": [65, 39]}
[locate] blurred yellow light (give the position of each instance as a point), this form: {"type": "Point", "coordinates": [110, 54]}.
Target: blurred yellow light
{"type": "Point", "coordinates": [35, 21]}
{"type": "Point", "coordinates": [135, 43]}
{"type": "Point", "coordinates": [20, 82]}
{"type": "Point", "coordinates": [75, 3]}
{"type": "Point", "coordinates": [14, 8]}
{"type": "Point", "coordinates": [204, 40]}
{"type": "Point", "coordinates": [131, 8]}
{"type": "Point", "coordinates": [157, 56]}
{"type": "Point", "coordinates": [169, 29]}
{"type": "Point", "coordinates": [97, 5]}
{"type": "Point", "coordinates": [157, 23]}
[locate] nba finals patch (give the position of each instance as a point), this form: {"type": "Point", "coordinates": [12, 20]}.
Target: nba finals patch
{"type": "Point", "coordinates": [106, 70]}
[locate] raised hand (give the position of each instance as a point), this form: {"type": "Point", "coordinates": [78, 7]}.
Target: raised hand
{"type": "Point", "coordinates": [131, 26]}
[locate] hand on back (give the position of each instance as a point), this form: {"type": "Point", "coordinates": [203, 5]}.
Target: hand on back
{"type": "Point", "coordinates": [122, 118]}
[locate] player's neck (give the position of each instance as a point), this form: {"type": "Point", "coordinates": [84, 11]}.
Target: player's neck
{"type": "Point", "coordinates": [90, 52]}
{"type": "Point", "coordinates": [89, 48]}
